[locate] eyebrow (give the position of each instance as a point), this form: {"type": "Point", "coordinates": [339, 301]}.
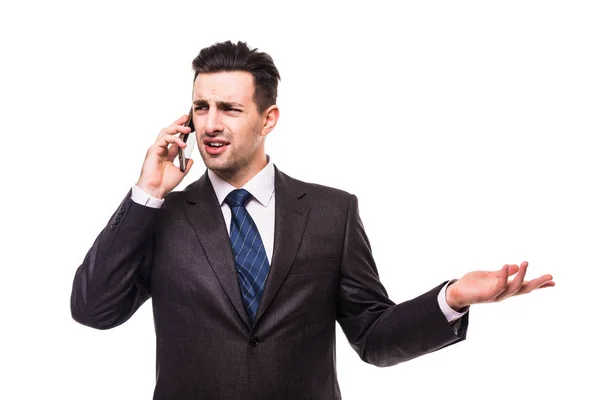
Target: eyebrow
{"type": "Point", "coordinates": [220, 104]}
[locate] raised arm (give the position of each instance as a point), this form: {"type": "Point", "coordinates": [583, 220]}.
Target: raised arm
{"type": "Point", "coordinates": [114, 278]}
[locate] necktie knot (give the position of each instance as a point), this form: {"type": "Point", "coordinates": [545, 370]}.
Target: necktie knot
{"type": "Point", "coordinates": [237, 198]}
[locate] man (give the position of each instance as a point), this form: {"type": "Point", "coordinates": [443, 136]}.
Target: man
{"type": "Point", "coordinates": [248, 268]}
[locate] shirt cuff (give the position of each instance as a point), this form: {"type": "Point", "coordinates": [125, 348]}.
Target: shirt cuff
{"type": "Point", "coordinates": [449, 313]}
{"type": "Point", "coordinates": [143, 198]}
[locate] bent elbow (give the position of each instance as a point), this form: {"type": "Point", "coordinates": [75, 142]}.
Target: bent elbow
{"type": "Point", "coordinates": [84, 314]}
{"type": "Point", "coordinates": [382, 360]}
{"type": "Point", "coordinates": [93, 315]}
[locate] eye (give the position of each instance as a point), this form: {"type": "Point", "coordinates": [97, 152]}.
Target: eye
{"type": "Point", "coordinates": [233, 109]}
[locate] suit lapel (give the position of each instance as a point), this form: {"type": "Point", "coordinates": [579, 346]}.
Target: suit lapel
{"type": "Point", "coordinates": [204, 213]}
{"type": "Point", "coordinates": [291, 215]}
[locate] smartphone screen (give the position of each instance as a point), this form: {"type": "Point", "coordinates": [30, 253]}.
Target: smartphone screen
{"type": "Point", "coordinates": [190, 140]}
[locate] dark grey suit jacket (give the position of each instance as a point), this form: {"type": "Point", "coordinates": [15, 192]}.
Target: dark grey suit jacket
{"type": "Point", "coordinates": [322, 271]}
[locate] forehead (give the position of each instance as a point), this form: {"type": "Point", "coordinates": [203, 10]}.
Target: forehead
{"type": "Point", "coordinates": [235, 86]}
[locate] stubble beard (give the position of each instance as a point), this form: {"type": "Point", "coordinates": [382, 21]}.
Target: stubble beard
{"type": "Point", "coordinates": [230, 166]}
{"type": "Point", "coordinates": [236, 162]}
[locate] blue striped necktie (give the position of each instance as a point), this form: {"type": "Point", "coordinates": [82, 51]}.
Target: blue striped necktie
{"type": "Point", "coordinates": [249, 253]}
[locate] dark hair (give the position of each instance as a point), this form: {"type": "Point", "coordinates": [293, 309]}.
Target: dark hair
{"type": "Point", "coordinates": [227, 56]}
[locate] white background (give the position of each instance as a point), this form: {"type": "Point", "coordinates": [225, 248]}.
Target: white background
{"type": "Point", "coordinates": [479, 118]}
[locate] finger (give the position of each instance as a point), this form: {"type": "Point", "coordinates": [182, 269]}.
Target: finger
{"type": "Point", "coordinates": [514, 286]}
{"type": "Point", "coordinates": [520, 277]}
{"type": "Point", "coordinates": [165, 140]}
{"type": "Point", "coordinates": [507, 270]}
{"type": "Point", "coordinates": [173, 152]}
{"type": "Point", "coordinates": [502, 275]}
{"type": "Point", "coordinates": [173, 130]}
{"type": "Point", "coordinates": [536, 283]}
{"type": "Point", "coordinates": [181, 120]}
{"type": "Point", "coordinates": [502, 284]}
{"type": "Point", "coordinates": [502, 271]}
{"type": "Point", "coordinates": [513, 269]}
{"type": "Point", "coordinates": [188, 166]}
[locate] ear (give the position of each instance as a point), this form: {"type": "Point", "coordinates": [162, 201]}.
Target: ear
{"type": "Point", "coordinates": [270, 117]}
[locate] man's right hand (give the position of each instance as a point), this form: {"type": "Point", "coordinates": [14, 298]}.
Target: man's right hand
{"type": "Point", "coordinates": [159, 175]}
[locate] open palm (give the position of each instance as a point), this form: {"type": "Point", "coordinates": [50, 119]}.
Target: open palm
{"type": "Point", "coordinates": [491, 286]}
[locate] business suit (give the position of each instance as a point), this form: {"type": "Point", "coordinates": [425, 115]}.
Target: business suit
{"type": "Point", "coordinates": [207, 348]}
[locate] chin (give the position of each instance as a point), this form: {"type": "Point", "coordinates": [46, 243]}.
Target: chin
{"type": "Point", "coordinates": [218, 165]}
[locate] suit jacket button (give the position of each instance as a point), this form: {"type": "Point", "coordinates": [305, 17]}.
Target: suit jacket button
{"type": "Point", "coordinates": [253, 341]}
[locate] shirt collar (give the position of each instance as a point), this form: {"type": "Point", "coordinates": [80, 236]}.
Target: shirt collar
{"type": "Point", "coordinates": [261, 186]}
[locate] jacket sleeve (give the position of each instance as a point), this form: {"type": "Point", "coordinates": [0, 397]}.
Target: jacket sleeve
{"type": "Point", "coordinates": [114, 279]}
{"type": "Point", "coordinates": [381, 332]}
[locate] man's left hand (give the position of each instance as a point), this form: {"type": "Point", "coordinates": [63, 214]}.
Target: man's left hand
{"type": "Point", "coordinates": [492, 286]}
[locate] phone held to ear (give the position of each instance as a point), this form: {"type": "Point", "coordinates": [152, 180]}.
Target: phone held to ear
{"type": "Point", "coordinates": [184, 154]}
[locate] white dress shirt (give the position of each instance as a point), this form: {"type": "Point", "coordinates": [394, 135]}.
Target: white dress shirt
{"type": "Point", "coordinates": [261, 208]}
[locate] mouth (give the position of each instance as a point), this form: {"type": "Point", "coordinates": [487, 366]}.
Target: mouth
{"type": "Point", "coordinates": [214, 146]}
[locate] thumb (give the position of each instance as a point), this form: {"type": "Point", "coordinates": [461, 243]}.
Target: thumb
{"type": "Point", "coordinates": [188, 166]}
{"type": "Point", "coordinates": [504, 273]}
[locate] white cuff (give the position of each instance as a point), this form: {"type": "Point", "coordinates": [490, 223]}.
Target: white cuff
{"type": "Point", "coordinates": [449, 313]}
{"type": "Point", "coordinates": [143, 198]}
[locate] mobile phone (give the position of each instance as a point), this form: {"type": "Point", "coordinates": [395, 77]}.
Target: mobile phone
{"type": "Point", "coordinates": [184, 154]}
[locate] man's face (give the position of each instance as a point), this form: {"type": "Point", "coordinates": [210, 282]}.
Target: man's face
{"type": "Point", "coordinates": [228, 125]}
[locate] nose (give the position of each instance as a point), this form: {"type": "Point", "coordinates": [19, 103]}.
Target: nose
{"type": "Point", "coordinates": [213, 124]}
